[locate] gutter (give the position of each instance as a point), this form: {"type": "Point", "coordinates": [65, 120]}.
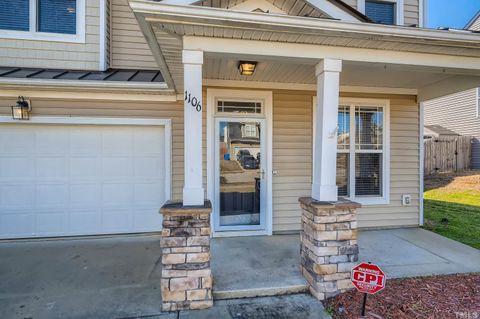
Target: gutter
{"type": "Point", "coordinates": [159, 88]}
{"type": "Point", "coordinates": [154, 11]}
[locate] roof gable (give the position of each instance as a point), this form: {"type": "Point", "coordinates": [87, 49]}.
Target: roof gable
{"type": "Point", "coordinates": [330, 9]}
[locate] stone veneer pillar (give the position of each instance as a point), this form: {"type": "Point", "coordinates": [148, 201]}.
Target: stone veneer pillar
{"type": "Point", "coordinates": [329, 247]}
{"type": "Point", "coordinates": [186, 274]}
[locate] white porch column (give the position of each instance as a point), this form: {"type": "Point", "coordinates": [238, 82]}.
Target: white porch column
{"type": "Point", "coordinates": [193, 193]}
{"type": "Point", "coordinates": [326, 124]}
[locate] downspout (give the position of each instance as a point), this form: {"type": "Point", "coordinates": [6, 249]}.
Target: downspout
{"type": "Point", "coordinates": [422, 162]}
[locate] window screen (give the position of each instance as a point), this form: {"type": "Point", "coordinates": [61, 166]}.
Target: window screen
{"type": "Point", "coordinates": [368, 174]}
{"type": "Point", "coordinates": [14, 15]}
{"type": "Point", "coordinates": [57, 16]}
{"type": "Point", "coordinates": [380, 12]}
{"type": "Point", "coordinates": [342, 174]}
{"type": "Point", "coordinates": [239, 107]}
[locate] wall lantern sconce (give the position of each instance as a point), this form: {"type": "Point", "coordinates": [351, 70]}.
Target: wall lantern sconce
{"type": "Point", "coordinates": [22, 110]}
{"type": "Point", "coordinates": [247, 67]}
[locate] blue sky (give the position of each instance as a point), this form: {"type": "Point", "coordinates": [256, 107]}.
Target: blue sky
{"type": "Point", "coordinates": [451, 13]}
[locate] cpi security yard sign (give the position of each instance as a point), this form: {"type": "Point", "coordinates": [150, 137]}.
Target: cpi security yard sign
{"type": "Point", "coordinates": [369, 279]}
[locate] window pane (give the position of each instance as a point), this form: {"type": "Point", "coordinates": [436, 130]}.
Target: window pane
{"type": "Point", "coordinates": [343, 136]}
{"type": "Point", "coordinates": [342, 174]}
{"type": "Point", "coordinates": [368, 174]}
{"type": "Point", "coordinates": [380, 12]}
{"type": "Point", "coordinates": [57, 16]}
{"type": "Point", "coordinates": [14, 15]}
{"type": "Point", "coordinates": [368, 128]}
{"type": "Point", "coordinates": [239, 107]}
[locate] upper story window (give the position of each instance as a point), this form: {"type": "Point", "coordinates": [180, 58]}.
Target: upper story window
{"type": "Point", "coordinates": [380, 11]}
{"type": "Point", "coordinates": [52, 20]}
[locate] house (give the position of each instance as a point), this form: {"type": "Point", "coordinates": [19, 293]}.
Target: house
{"type": "Point", "coordinates": [460, 111]}
{"type": "Point", "coordinates": [110, 108]}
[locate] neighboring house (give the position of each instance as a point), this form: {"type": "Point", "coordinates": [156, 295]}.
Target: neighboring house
{"type": "Point", "coordinates": [459, 112]}
{"type": "Point", "coordinates": [125, 112]}
{"type": "Point", "coordinates": [432, 131]}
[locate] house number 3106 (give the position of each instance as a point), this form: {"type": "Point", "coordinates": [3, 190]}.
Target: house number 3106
{"type": "Point", "coordinates": [193, 101]}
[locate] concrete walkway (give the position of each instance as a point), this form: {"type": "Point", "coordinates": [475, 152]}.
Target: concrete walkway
{"type": "Point", "coordinates": [118, 277]}
{"type": "Point", "coordinates": [412, 252]}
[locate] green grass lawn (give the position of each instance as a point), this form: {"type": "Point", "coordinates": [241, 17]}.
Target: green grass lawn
{"type": "Point", "coordinates": [454, 214]}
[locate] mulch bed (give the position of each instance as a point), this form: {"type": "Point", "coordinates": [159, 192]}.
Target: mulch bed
{"type": "Point", "coordinates": [451, 296]}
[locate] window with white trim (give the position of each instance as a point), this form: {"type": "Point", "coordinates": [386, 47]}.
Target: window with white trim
{"type": "Point", "coordinates": [383, 11]}
{"type": "Point", "coordinates": [60, 20]}
{"type": "Point", "coordinates": [362, 152]}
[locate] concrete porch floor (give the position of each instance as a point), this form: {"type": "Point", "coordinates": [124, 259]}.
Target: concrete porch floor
{"type": "Point", "coordinates": [262, 266]}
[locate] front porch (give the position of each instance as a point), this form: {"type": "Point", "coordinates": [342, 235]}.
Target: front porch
{"type": "Point", "coordinates": [265, 266]}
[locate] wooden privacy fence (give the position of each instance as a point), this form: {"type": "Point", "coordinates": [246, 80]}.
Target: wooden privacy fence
{"type": "Point", "coordinates": [448, 154]}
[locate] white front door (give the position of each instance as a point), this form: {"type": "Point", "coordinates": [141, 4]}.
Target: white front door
{"type": "Point", "coordinates": [240, 174]}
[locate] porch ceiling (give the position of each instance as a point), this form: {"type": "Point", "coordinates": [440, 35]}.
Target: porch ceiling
{"type": "Point", "coordinates": [374, 55]}
{"type": "Point", "coordinates": [353, 73]}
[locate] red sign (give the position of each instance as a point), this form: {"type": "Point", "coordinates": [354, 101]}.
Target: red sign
{"type": "Point", "coordinates": [368, 278]}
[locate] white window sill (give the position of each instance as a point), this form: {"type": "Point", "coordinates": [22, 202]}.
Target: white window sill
{"type": "Point", "coordinates": [42, 36]}
{"type": "Point", "coordinates": [368, 201]}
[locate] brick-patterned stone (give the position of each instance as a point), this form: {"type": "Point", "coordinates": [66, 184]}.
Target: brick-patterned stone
{"type": "Point", "coordinates": [186, 275]}
{"type": "Point", "coordinates": [328, 245]}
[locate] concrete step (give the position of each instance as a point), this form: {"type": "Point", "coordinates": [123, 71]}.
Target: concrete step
{"type": "Point", "coordinates": [259, 292]}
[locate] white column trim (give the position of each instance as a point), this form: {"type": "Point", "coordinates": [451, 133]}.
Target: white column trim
{"type": "Point", "coordinates": [193, 192]}
{"type": "Point", "coordinates": [324, 186]}
{"type": "Point", "coordinates": [102, 59]}
{"type": "Point", "coordinates": [422, 162]}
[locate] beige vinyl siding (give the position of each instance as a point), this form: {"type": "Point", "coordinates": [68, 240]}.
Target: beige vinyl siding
{"type": "Point", "coordinates": [457, 112]}
{"type": "Point", "coordinates": [411, 12]}
{"type": "Point", "coordinates": [53, 54]}
{"type": "Point", "coordinates": [292, 151]}
{"type": "Point", "coordinates": [173, 111]}
{"type": "Point", "coordinates": [129, 49]}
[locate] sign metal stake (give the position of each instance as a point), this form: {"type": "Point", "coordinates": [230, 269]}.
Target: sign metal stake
{"type": "Point", "coordinates": [364, 304]}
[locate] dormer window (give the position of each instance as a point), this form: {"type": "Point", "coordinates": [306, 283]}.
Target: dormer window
{"type": "Point", "coordinates": [52, 20]}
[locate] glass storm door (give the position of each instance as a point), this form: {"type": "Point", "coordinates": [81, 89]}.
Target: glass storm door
{"type": "Point", "coordinates": [240, 174]}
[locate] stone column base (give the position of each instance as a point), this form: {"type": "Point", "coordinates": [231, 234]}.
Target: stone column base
{"type": "Point", "coordinates": [186, 274]}
{"type": "Point", "coordinates": [329, 247]}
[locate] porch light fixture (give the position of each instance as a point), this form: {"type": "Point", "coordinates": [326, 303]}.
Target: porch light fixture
{"type": "Point", "coordinates": [21, 111]}
{"type": "Point", "coordinates": [247, 67]}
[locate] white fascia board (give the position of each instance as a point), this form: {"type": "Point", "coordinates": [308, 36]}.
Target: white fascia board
{"type": "Point", "coordinates": [333, 11]}
{"type": "Point", "coordinates": [84, 84]}
{"type": "Point", "coordinates": [155, 11]}
{"type": "Point", "coordinates": [317, 52]}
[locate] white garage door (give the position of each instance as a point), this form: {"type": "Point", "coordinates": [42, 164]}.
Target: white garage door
{"type": "Point", "coordinates": [63, 180]}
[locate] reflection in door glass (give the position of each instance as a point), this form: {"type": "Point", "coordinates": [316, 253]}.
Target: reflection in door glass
{"type": "Point", "coordinates": [239, 173]}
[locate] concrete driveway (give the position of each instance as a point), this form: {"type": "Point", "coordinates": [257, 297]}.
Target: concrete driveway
{"type": "Point", "coordinates": [115, 277]}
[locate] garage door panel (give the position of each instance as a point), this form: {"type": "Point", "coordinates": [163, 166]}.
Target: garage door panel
{"type": "Point", "coordinates": [85, 168]}
{"type": "Point", "coordinates": [51, 195]}
{"type": "Point", "coordinates": [17, 224]}
{"type": "Point", "coordinates": [51, 224]}
{"type": "Point", "coordinates": [63, 180]}
{"type": "Point", "coordinates": [51, 141]}
{"type": "Point", "coordinates": [85, 195]}
{"type": "Point", "coordinates": [51, 168]}
{"type": "Point", "coordinates": [117, 194]}
{"type": "Point", "coordinates": [19, 196]}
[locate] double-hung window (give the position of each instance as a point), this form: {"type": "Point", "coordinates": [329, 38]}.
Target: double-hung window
{"type": "Point", "coordinates": [383, 11]}
{"type": "Point", "coordinates": [55, 20]}
{"type": "Point", "coordinates": [362, 151]}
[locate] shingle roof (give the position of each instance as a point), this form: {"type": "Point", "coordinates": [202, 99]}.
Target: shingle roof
{"type": "Point", "coordinates": [146, 76]}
